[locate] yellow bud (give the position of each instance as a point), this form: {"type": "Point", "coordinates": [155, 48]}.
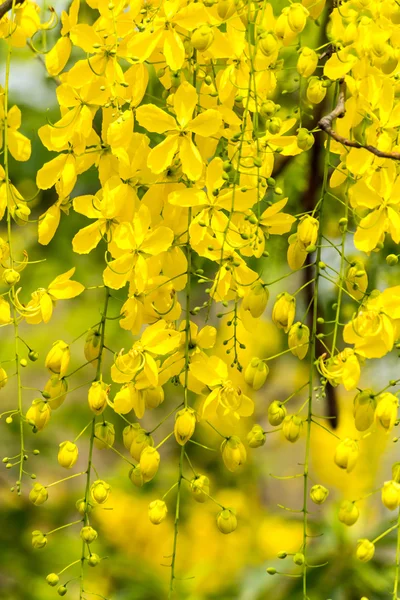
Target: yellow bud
{"type": "Point", "coordinates": [39, 540]}
{"type": "Point", "coordinates": [21, 214]}
{"type": "Point", "coordinates": [307, 231]}
{"type": "Point", "coordinates": [153, 397]}
{"type": "Point", "coordinates": [364, 405]}
{"type": "Point", "coordinates": [11, 277]}
{"type": "Point", "coordinates": [185, 423]}
{"type": "Point", "coordinates": [233, 453]}
{"type": "Point", "coordinates": [226, 520]}
{"type": "Point", "coordinates": [58, 358]}
{"type": "Point", "coordinates": [38, 494]}
{"type": "Point", "coordinates": [135, 475]}
{"type": "Point", "coordinates": [129, 434]}
{"type": "Point", "coordinates": [3, 377]}
{"type": "Point", "coordinates": [256, 373]}
{"type": "Point", "coordinates": [200, 488]}
{"type": "Point", "coordinates": [225, 9]}
{"type": "Point", "coordinates": [141, 441]}
{"type": "Point", "coordinates": [256, 437]}
{"type": "Point", "coordinates": [391, 494]}
{"type": "Point", "coordinates": [348, 513]}
{"type": "Point", "coordinates": [268, 44]}
{"type": "Point", "coordinates": [202, 38]}
{"type": "Point", "coordinates": [88, 534]}
{"type": "Point", "coordinates": [157, 511]}
{"type": "Point", "coordinates": [346, 454]}
{"type": "Point", "coordinates": [52, 579]}
{"type": "Point", "coordinates": [356, 285]}
{"type": "Point", "coordinates": [297, 17]}
{"type": "Point", "coordinates": [298, 340]}
{"type": "Point", "coordinates": [149, 462]}
{"type": "Point", "coordinates": [284, 311]}
{"type": "Point", "coordinates": [39, 413]}
{"type": "Point", "coordinates": [83, 507]}
{"type": "Point", "coordinates": [256, 299]}
{"type": "Point", "coordinates": [92, 346]}
{"type": "Point", "coordinates": [365, 550]}
{"type": "Point", "coordinates": [316, 92]}
{"type": "Point", "coordinates": [386, 410]}
{"type": "Point", "coordinates": [97, 396]}
{"type": "Point", "coordinates": [57, 390]}
{"type": "Point", "coordinates": [318, 494]}
{"type": "Point", "coordinates": [276, 413]}
{"type": "Point", "coordinates": [100, 490]}
{"type": "Point", "coordinates": [104, 435]}
{"type": "Point", "coordinates": [67, 454]}
{"type": "Point", "coordinates": [292, 427]}
{"type": "Point", "coordinates": [307, 62]}
{"type": "Point", "coordinates": [305, 139]}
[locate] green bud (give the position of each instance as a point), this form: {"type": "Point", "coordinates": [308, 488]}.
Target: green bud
{"type": "Point", "coordinates": [52, 579]}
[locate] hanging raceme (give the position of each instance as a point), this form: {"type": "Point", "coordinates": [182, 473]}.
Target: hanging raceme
{"type": "Point", "coordinates": [219, 181]}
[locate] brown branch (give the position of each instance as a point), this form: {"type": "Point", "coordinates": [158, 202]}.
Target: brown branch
{"type": "Point", "coordinates": [7, 5]}
{"type": "Point", "coordinates": [337, 113]}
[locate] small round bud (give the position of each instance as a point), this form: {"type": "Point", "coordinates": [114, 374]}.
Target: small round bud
{"type": "Point", "coordinates": [348, 513]}
{"type": "Point", "coordinates": [23, 362]}
{"type": "Point", "coordinates": [200, 488]}
{"type": "Point", "coordinates": [365, 550]}
{"type": "Point", "coordinates": [276, 413]}
{"type": "Point", "coordinates": [11, 277]}
{"type": "Point", "coordinates": [157, 511]}
{"type": "Point", "coordinates": [38, 494]}
{"type": "Point", "coordinates": [39, 539]}
{"type": "Point", "coordinates": [100, 490]}
{"type": "Point", "coordinates": [298, 558]}
{"type": "Point", "coordinates": [271, 571]}
{"type": "Point", "coordinates": [392, 260]}
{"type": "Point", "coordinates": [88, 534]}
{"type": "Point", "coordinates": [67, 454]}
{"type": "Point", "coordinates": [93, 560]}
{"type": "Point", "coordinates": [33, 355]}
{"type": "Point", "coordinates": [52, 579]}
{"type": "Point", "coordinates": [282, 554]}
{"type": "Point", "coordinates": [226, 520]}
{"type": "Point", "coordinates": [256, 437]}
{"type": "Point", "coordinates": [319, 494]}
{"type": "Point", "coordinates": [62, 590]}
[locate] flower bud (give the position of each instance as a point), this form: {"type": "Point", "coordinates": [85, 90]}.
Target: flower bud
{"type": "Point", "coordinates": [38, 494]}
{"type": "Point", "coordinates": [39, 414]}
{"type": "Point", "coordinates": [149, 462]}
{"type": "Point", "coordinates": [233, 453]}
{"type": "Point", "coordinates": [104, 435]}
{"type": "Point", "coordinates": [93, 560]}
{"type": "Point", "coordinates": [52, 579]}
{"type": "Point", "coordinates": [157, 511]}
{"type": "Point", "coordinates": [305, 139]}
{"type": "Point", "coordinates": [135, 475]}
{"type": "Point", "coordinates": [298, 559]}
{"type": "Point", "coordinates": [92, 346]}
{"type": "Point", "coordinates": [97, 396]}
{"type": "Point", "coordinates": [256, 437]}
{"type": "Point", "coordinates": [284, 311]}
{"type": "Point", "coordinates": [276, 413]}
{"type": "Point", "coordinates": [346, 454]}
{"type": "Point", "coordinates": [83, 507]}
{"type": "Point", "coordinates": [62, 590]}
{"type": "Point", "coordinates": [356, 285]}
{"type": "Point", "coordinates": [268, 44]}
{"type": "Point", "coordinates": [129, 434]}
{"type": "Point", "coordinates": [256, 373]}
{"type": "Point", "coordinates": [307, 62]}
{"type": "Point", "coordinates": [391, 494]}
{"type": "Point", "coordinates": [298, 340]}
{"type": "Point", "coordinates": [225, 9]}
{"type": "Point", "coordinates": [3, 377]}
{"type": "Point", "coordinates": [200, 488]}
{"type": "Point", "coordinates": [185, 423]}
{"type": "Point", "coordinates": [88, 534]}
{"type": "Point", "coordinates": [39, 539]}
{"type": "Point", "coordinates": [386, 410]}
{"type": "Point", "coordinates": [392, 260]}
{"type": "Point", "coordinates": [21, 214]}
{"type": "Point", "coordinates": [256, 299]}
{"type": "Point", "coordinates": [292, 427]}
{"type": "Point", "coordinates": [297, 17]}
{"type": "Point", "coordinates": [56, 389]}
{"type": "Point", "coordinates": [67, 454]}
{"type": "Point", "coordinates": [11, 277]}
{"type": "Point", "coordinates": [365, 550]}
{"type": "Point", "coordinates": [141, 441]}
{"type": "Point", "coordinates": [202, 38]}
{"type": "Point", "coordinates": [57, 360]}
{"type": "Point", "coordinates": [316, 92]}
{"type": "Point", "coordinates": [348, 513]}
{"type": "Point", "coordinates": [153, 397]}
{"type": "Point", "coordinates": [307, 231]}
{"type": "Point", "coordinates": [318, 494]}
{"type": "Point", "coordinates": [273, 126]}
{"type": "Point", "coordinates": [100, 490]}
{"type": "Point", "coordinates": [226, 520]}
{"type": "Point", "coordinates": [364, 405]}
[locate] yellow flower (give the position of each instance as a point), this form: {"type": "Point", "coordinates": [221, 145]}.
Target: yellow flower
{"type": "Point", "coordinates": [19, 146]}
{"type": "Point", "coordinates": [284, 310]}
{"type": "Point", "coordinates": [292, 427]}
{"type": "Point", "coordinates": [97, 396]}
{"type": "Point", "coordinates": [256, 373]}
{"type": "Point", "coordinates": [365, 550]}
{"type": "Point", "coordinates": [100, 491]}
{"type": "Point", "coordinates": [226, 520]}
{"type": "Point", "coordinates": [38, 494]}
{"type": "Point", "coordinates": [386, 410]}
{"type": "Point", "coordinates": [149, 463]}
{"type": "Point", "coordinates": [318, 494]}
{"type": "Point", "coordinates": [343, 368]}
{"type": "Point", "coordinates": [276, 413]}
{"type": "Point", "coordinates": [346, 454]}
{"type": "Point", "coordinates": [39, 414]}
{"type": "Point", "coordinates": [256, 299]}
{"type": "Point", "coordinates": [298, 340]}
{"type": "Point", "coordinates": [180, 131]}
{"type": "Point", "coordinates": [57, 360]}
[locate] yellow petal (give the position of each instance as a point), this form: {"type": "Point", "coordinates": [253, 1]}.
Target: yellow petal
{"type": "Point", "coordinates": [192, 163]}
{"type": "Point", "coordinates": [154, 119]}
{"type": "Point", "coordinates": [87, 238]}
{"type": "Point", "coordinates": [47, 224]}
{"type": "Point", "coordinates": [58, 56]}
{"type": "Point", "coordinates": [174, 50]}
{"type": "Point", "coordinates": [206, 124]}
{"type": "Point", "coordinates": [161, 156]}
{"type": "Point", "coordinates": [185, 100]}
